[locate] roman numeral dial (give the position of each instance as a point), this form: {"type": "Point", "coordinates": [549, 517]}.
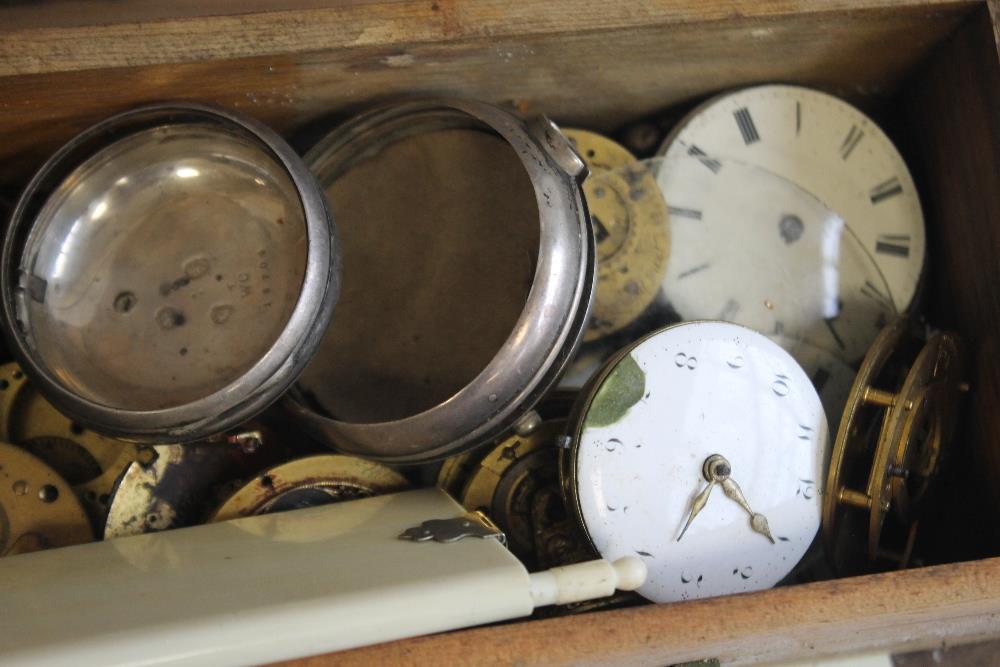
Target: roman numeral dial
{"type": "Point", "coordinates": [840, 157]}
{"type": "Point", "coordinates": [897, 245]}
{"type": "Point", "coordinates": [745, 122]}
{"type": "Point", "coordinates": [853, 138]}
{"type": "Point", "coordinates": [885, 190]}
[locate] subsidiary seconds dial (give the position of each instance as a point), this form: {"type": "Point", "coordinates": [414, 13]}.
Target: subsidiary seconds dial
{"type": "Point", "coordinates": [831, 150]}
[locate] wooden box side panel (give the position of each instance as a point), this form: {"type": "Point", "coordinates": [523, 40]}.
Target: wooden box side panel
{"type": "Point", "coordinates": [595, 64]}
{"type": "Point", "coordinates": [916, 609]}
{"type": "Point", "coordinates": [950, 115]}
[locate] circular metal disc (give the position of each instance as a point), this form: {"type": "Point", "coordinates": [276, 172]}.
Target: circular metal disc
{"type": "Point", "coordinates": [37, 507]}
{"type": "Point", "coordinates": [509, 478]}
{"type": "Point", "coordinates": [88, 461]}
{"type": "Point", "coordinates": [308, 482]}
{"type": "Point", "coordinates": [633, 242]}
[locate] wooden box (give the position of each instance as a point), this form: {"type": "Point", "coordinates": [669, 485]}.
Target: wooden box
{"type": "Point", "coordinates": [927, 70]}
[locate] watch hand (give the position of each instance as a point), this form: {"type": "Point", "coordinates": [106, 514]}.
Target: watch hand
{"type": "Point", "coordinates": [696, 506]}
{"type": "Point", "coordinates": [757, 521]}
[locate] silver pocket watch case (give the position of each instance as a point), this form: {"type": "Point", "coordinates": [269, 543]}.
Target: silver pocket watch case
{"type": "Point", "coordinates": [167, 274]}
{"type": "Point", "coordinates": [172, 271]}
{"type": "Point", "coordinates": [469, 266]}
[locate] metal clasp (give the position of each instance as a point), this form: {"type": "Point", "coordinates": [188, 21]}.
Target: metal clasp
{"type": "Point", "coordinates": [470, 524]}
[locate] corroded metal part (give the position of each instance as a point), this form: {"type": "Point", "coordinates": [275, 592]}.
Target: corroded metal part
{"type": "Point", "coordinates": [308, 482]}
{"type": "Point", "coordinates": [37, 507]}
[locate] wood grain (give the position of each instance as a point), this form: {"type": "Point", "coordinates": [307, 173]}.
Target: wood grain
{"type": "Point", "coordinates": [950, 131]}
{"type": "Point", "coordinates": [994, 7]}
{"type": "Point", "coordinates": [599, 65]}
{"type": "Point", "coordinates": [38, 40]}
{"type": "Point", "coordinates": [917, 609]}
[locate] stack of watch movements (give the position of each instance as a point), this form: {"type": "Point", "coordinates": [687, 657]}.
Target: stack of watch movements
{"type": "Point", "coordinates": [900, 417]}
{"type": "Point", "coordinates": [68, 484]}
{"type": "Point", "coordinates": [699, 358]}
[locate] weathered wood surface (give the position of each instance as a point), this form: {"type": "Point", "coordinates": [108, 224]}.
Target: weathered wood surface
{"type": "Point", "coordinates": [915, 609]}
{"type": "Point", "coordinates": [588, 62]}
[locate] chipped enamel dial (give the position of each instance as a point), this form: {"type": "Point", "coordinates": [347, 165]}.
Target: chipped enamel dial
{"type": "Point", "coordinates": [836, 153]}
{"type": "Point", "coordinates": [700, 448]}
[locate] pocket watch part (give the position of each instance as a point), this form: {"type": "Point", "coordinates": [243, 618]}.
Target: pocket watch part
{"type": "Point", "coordinates": [643, 137]}
{"type": "Point", "coordinates": [750, 247]}
{"type": "Point", "coordinates": [899, 417]}
{"type": "Point", "coordinates": [558, 540]}
{"type": "Point", "coordinates": [88, 461]}
{"type": "Point", "coordinates": [717, 470]}
{"type": "Point", "coordinates": [191, 339]}
{"type": "Point", "coordinates": [828, 148]}
{"type": "Point", "coordinates": [629, 216]}
{"type": "Point", "coordinates": [37, 507]}
{"type": "Point", "coordinates": [620, 600]}
{"type": "Point", "coordinates": [757, 520]}
{"type": "Point", "coordinates": [470, 524]}
{"type": "Point", "coordinates": [507, 481]}
{"type": "Point", "coordinates": [455, 471]}
{"type": "Point", "coordinates": [697, 505]}
{"type": "Point", "coordinates": [598, 152]}
{"type": "Point", "coordinates": [645, 431]}
{"type": "Point", "coordinates": [309, 482]}
{"type": "Point", "coordinates": [469, 271]}
{"type": "Point", "coordinates": [831, 377]}
{"type": "Point", "coordinates": [184, 484]}
{"type": "Point", "coordinates": [900, 444]}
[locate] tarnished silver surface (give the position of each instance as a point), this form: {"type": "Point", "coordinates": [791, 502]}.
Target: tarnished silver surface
{"type": "Point", "coordinates": [553, 316]}
{"type": "Point", "coordinates": [168, 273]}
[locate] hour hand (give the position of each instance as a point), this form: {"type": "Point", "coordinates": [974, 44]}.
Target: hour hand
{"type": "Point", "coordinates": [757, 521]}
{"type": "Point", "coordinates": [696, 506]}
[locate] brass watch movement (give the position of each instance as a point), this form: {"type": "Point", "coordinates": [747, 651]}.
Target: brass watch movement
{"type": "Point", "coordinates": [629, 217]}
{"type": "Point", "coordinates": [517, 485]}
{"type": "Point", "coordinates": [89, 462]}
{"type": "Point", "coordinates": [37, 507]}
{"type": "Point", "coordinates": [900, 417]}
{"type": "Point", "coordinates": [309, 482]}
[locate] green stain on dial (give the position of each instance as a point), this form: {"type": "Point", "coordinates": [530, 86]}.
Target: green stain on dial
{"type": "Point", "coordinates": [622, 389]}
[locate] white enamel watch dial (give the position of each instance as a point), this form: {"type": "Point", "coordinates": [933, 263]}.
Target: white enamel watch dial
{"type": "Point", "coordinates": [753, 248]}
{"type": "Point", "coordinates": [691, 403]}
{"type": "Point", "coordinates": [830, 376]}
{"type": "Point", "coordinates": [830, 149]}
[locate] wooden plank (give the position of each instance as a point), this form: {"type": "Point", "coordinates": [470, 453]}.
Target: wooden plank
{"type": "Point", "coordinates": [916, 609]}
{"type": "Point", "coordinates": [594, 77]}
{"type": "Point", "coordinates": [994, 6]}
{"type": "Point", "coordinates": [950, 124]}
{"type": "Point", "coordinates": [29, 46]}
{"type": "Point", "coordinates": [29, 14]}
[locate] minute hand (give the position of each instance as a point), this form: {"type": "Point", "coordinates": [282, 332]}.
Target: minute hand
{"type": "Point", "coordinates": [696, 506]}
{"type": "Point", "coordinates": [757, 521]}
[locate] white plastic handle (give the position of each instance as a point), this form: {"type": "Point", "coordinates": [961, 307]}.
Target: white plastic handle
{"type": "Point", "coordinates": [587, 581]}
